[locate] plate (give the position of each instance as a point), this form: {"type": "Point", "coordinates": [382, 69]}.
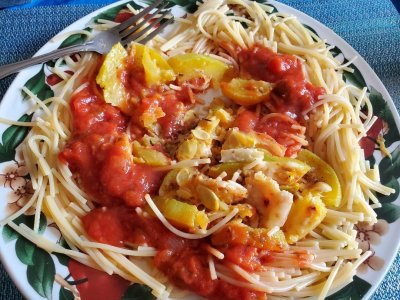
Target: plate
{"type": "Point", "coordinates": [37, 273]}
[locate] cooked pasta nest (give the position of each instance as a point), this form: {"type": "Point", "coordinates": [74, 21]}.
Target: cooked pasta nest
{"type": "Point", "coordinates": [221, 176]}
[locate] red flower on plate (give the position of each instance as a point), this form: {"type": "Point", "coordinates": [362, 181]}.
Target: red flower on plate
{"type": "Point", "coordinates": [368, 235]}
{"type": "Point", "coordinates": [93, 284]}
{"type": "Point", "coordinates": [14, 176]}
{"type": "Point", "coordinates": [369, 142]}
{"type": "Point", "coordinates": [53, 78]}
{"type": "Point", "coordinates": [123, 16]}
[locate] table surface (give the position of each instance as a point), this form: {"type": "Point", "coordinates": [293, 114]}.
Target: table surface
{"type": "Point", "coordinates": [371, 27]}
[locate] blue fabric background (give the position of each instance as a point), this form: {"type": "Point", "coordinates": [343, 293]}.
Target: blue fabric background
{"type": "Point", "coordinates": [371, 27]}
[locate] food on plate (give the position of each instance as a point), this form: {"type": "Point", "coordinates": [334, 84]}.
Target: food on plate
{"type": "Point", "coordinates": [222, 160]}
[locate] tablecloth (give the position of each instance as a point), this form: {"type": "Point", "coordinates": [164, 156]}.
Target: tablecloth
{"type": "Point", "coordinates": [371, 27]}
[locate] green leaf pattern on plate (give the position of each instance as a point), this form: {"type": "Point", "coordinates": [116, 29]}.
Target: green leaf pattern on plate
{"type": "Point", "coordinates": [24, 250]}
{"type": "Point", "coordinates": [41, 273]}
{"type": "Point", "coordinates": [311, 30]}
{"type": "Point", "coordinates": [394, 184]}
{"type": "Point", "coordinates": [10, 234]}
{"type": "Point", "coordinates": [11, 138]}
{"type": "Point", "coordinates": [40, 265]}
{"type": "Point", "coordinates": [138, 292]}
{"type": "Point", "coordinates": [66, 294]}
{"type": "Point", "coordinates": [62, 258]}
{"type": "Point", "coordinates": [389, 212]}
{"type": "Point", "coordinates": [389, 169]}
{"type": "Point", "coordinates": [188, 5]}
{"type": "Point", "coordinates": [355, 78]}
{"type": "Point", "coordinates": [353, 291]}
{"type": "Point", "coordinates": [75, 39]}
{"type": "Point", "coordinates": [382, 110]}
{"type": "Point", "coordinates": [38, 86]}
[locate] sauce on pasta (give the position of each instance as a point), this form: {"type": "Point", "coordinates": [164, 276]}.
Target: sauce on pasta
{"type": "Point", "coordinates": [292, 93]}
{"type": "Point", "coordinates": [183, 261]}
{"type": "Point", "coordinates": [232, 215]}
{"type": "Point", "coordinates": [98, 155]}
{"type": "Point", "coordinates": [101, 159]}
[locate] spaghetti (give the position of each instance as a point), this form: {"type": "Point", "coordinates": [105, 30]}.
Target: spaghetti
{"type": "Point", "coordinates": [223, 182]}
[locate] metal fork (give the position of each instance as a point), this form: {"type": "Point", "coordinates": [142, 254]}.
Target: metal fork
{"type": "Point", "coordinates": [102, 42]}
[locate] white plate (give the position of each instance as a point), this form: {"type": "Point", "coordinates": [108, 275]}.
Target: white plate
{"type": "Point", "coordinates": [33, 269]}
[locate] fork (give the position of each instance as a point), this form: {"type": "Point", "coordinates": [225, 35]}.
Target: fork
{"type": "Point", "coordinates": [102, 42]}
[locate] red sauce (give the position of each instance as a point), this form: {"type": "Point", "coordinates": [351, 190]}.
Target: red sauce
{"type": "Point", "coordinates": [174, 109]}
{"type": "Point", "coordinates": [246, 121]}
{"type": "Point", "coordinates": [293, 97]}
{"type": "Point", "coordinates": [279, 126]}
{"type": "Point", "coordinates": [144, 98]}
{"type": "Point", "coordinates": [91, 115]}
{"type": "Point", "coordinates": [282, 128]}
{"type": "Point", "coordinates": [173, 106]}
{"type": "Point", "coordinates": [133, 79]}
{"type": "Point", "coordinates": [102, 162]}
{"type": "Point", "coordinates": [290, 97]}
{"type": "Point", "coordinates": [292, 94]}
{"type": "Point", "coordinates": [245, 257]}
{"type": "Point", "coordinates": [95, 154]}
{"type": "Point", "coordinates": [183, 261]}
{"type": "Point", "coordinates": [262, 63]}
{"type": "Point", "coordinates": [122, 16]}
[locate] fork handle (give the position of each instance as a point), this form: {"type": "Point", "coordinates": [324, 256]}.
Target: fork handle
{"type": "Point", "coordinates": [6, 70]}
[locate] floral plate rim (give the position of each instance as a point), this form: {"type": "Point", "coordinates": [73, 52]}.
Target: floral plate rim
{"type": "Point", "coordinates": [345, 48]}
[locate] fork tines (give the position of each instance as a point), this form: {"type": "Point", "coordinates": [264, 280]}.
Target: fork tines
{"type": "Point", "coordinates": [132, 29]}
{"type": "Point", "coordinates": [157, 30]}
{"type": "Point", "coordinates": [132, 20]}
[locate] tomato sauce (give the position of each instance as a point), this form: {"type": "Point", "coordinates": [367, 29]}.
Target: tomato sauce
{"type": "Point", "coordinates": [243, 256]}
{"type": "Point", "coordinates": [173, 103]}
{"type": "Point", "coordinates": [183, 261]}
{"type": "Point", "coordinates": [279, 126]}
{"type": "Point", "coordinates": [101, 159]}
{"type": "Point", "coordinates": [174, 109]}
{"type": "Point", "coordinates": [95, 153]}
{"type": "Point", "coordinates": [246, 120]}
{"type": "Point", "coordinates": [292, 93]}
{"type": "Point", "coordinates": [293, 97]}
{"type": "Point", "coordinates": [262, 63]}
{"type": "Point", "coordinates": [289, 98]}
{"type": "Point", "coordinates": [133, 78]}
